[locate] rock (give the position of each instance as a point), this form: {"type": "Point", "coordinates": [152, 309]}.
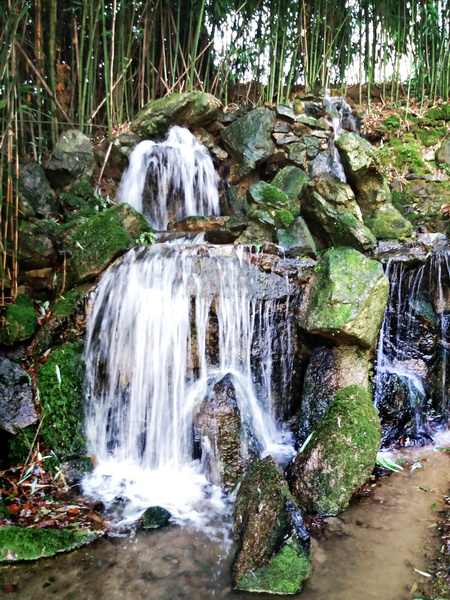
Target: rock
{"type": "Point", "coordinates": [340, 456]}
{"type": "Point", "coordinates": [248, 140]}
{"type": "Point", "coordinates": [282, 127]}
{"type": "Point", "coordinates": [265, 195]}
{"type": "Point", "coordinates": [102, 238]}
{"type": "Point", "coordinates": [36, 197]}
{"type": "Point", "coordinates": [273, 547]}
{"type": "Point", "coordinates": [271, 218]}
{"type": "Point", "coordinates": [296, 240]}
{"type": "Point", "coordinates": [346, 299]}
{"type": "Point", "coordinates": [20, 321]}
{"type": "Point", "coordinates": [228, 448]}
{"type": "Point", "coordinates": [61, 386]}
{"type": "Point", "coordinates": [39, 279]}
{"type": "Point", "coordinates": [72, 158]}
{"type": "Point", "coordinates": [329, 370]}
{"type": "Point", "coordinates": [333, 190]}
{"type": "Point", "coordinates": [293, 182]}
{"type": "Point", "coordinates": [443, 154]}
{"type": "Point", "coordinates": [285, 138]}
{"type": "Point", "coordinates": [256, 234]}
{"type": "Point", "coordinates": [190, 108]}
{"type": "Point", "coordinates": [231, 116]}
{"type": "Point", "coordinates": [17, 409]}
{"type": "Point", "coordinates": [75, 469]}
{"type": "Point", "coordinates": [200, 223]}
{"type": "Point", "coordinates": [305, 120]}
{"type": "Point", "coordinates": [386, 223]}
{"type": "Point", "coordinates": [358, 158]}
{"type": "Point", "coordinates": [36, 248]}
{"type": "Point", "coordinates": [20, 543]}
{"type": "Point", "coordinates": [122, 147]}
{"type": "Point", "coordinates": [334, 225]}
{"type": "Point", "coordinates": [323, 163]}
{"type": "Point", "coordinates": [308, 148]}
{"type": "Point", "coordinates": [155, 517]}
{"type": "Point", "coordinates": [285, 111]}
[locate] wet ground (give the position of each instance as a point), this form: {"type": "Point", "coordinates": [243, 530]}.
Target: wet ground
{"type": "Point", "coordinates": [372, 552]}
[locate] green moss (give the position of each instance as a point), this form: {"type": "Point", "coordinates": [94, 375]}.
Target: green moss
{"type": "Point", "coordinates": [284, 574]}
{"type": "Point", "coordinates": [20, 321]}
{"type": "Point", "coordinates": [18, 543]}
{"type": "Point", "coordinates": [63, 402]}
{"type": "Point", "coordinates": [155, 517]}
{"type": "Point", "coordinates": [20, 444]}
{"type": "Point", "coordinates": [283, 218]}
{"type": "Point", "coordinates": [407, 155]}
{"type": "Point", "coordinates": [268, 196]}
{"type": "Point", "coordinates": [392, 123]}
{"type": "Point", "coordinates": [430, 137]}
{"type": "Point", "coordinates": [438, 113]}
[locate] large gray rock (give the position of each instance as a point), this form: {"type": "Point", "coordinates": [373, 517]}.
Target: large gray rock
{"type": "Point", "coordinates": [228, 448]}
{"type": "Point", "coordinates": [17, 408]}
{"type": "Point", "coordinates": [346, 299]}
{"type": "Point", "coordinates": [248, 140]}
{"type": "Point", "coordinates": [329, 370]}
{"type": "Point", "coordinates": [293, 182]}
{"type": "Point", "coordinates": [36, 197]}
{"type": "Point", "coordinates": [273, 545]}
{"type": "Point", "coordinates": [297, 240]}
{"type": "Point", "coordinates": [36, 248]}
{"type": "Point", "coordinates": [358, 158]}
{"type": "Point", "coordinates": [190, 108]}
{"type": "Point", "coordinates": [340, 455]}
{"type": "Point", "coordinates": [333, 190]}
{"type": "Point", "coordinates": [71, 159]}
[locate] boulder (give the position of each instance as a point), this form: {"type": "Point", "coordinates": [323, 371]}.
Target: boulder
{"type": "Point", "coordinates": [386, 223]}
{"type": "Point", "coordinates": [307, 149]}
{"type": "Point", "coordinates": [335, 225]}
{"type": "Point", "coordinates": [329, 370]}
{"type": "Point", "coordinates": [155, 517]}
{"type": "Point", "coordinates": [189, 108]}
{"type": "Point", "coordinates": [121, 148]}
{"type": "Point", "coordinates": [273, 545]}
{"type": "Point", "coordinates": [443, 154]}
{"type": "Point", "coordinates": [248, 140]}
{"type": "Point", "coordinates": [333, 190]}
{"type": "Point", "coordinates": [346, 299]}
{"type": "Point", "coordinates": [17, 408]}
{"type": "Point", "coordinates": [358, 157]}
{"type": "Point", "coordinates": [36, 197]}
{"type": "Point", "coordinates": [36, 248]}
{"type": "Point", "coordinates": [228, 448]}
{"type": "Point", "coordinates": [100, 240]}
{"type": "Point", "coordinates": [296, 240]}
{"type": "Point", "coordinates": [71, 159]}
{"type": "Point", "coordinates": [293, 182]}
{"type": "Point", "coordinates": [340, 455]}
{"type": "Point", "coordinates": [20, 321]}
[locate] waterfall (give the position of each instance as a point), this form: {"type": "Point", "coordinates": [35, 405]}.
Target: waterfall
{"type": "Point", "coordinates": [342, 120]}
{"type": "Point", "coordinates": [164, 322]}
{"type": "Point", "coordinates": [411, 389]}
{"type": "Point", "coordinates": [169, 180]}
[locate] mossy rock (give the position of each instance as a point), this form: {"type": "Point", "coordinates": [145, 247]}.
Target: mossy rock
{"type": "Point", "coordinates": [267, 196]}
{"type": "Point", "coordinates": [388, 224]}
{"type": "Point", "coordinates": [340, 455]}
{"type": "Point", "coordinates": [60, 381]}
{"type": "Point", "coordinates": [257, 233]}
{"type": "Point", "coordinates": [20, 543]}
{"type": "Point", "coordinates": [296, 240]}
{"type": "Point", "coordinates": [430, 137]}
{"type": "Point", "coordinates": [392, 123]}
{"type": "Point", "coordinates": [443, 154]}
{"type": "Point", "coordinates": [155, 517]}
{"type": "Point", "coordinates": [293, 182]}
{"type": "Point", "coordinates": [346, 298]}
{"type": "Point", "coordinates": [103, 238]}
{"type": "Point", "coordinates": [36, 197]}
{"type": "Point", "coordinates": [405, 155]}
{"type": "Point", "coordinates": [189, 108]}
{"type": "Point", "coordinates": [273, 553]}
{"type": "Point", "coordinates": [20, 321]}
{"type": "Point", "coordinates": [71, 159]}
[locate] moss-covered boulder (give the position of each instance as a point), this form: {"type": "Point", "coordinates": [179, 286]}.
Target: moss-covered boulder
{"type": "Point", "coordinates": [36, 247]}
{"type": "Point", "coordinates": [257, 232]}
{"type": "Point", "coordinates": [71, 159]}
{"type": "Point", "coordinates": [248, 140]}
{"type": "Point", "coordinates": [60, 381]}
{"type": "Point", "coordinates": [340, 456]}
{"type": "Point", "coordinates": [273, 553]}
{"type": "Point", "coordinates": [20, 321]}
{"type": "Point", "coordinates": [189, 108]}
{"type": "Point", "coordinates": [231, 447]}
{"type": "Point", "coordinates": [335, 225]}
{"type": "Point", "coordinates": [333, 190]}
{"type": "Point", "coordinates": [293, 182]}
{"type": "Point", "coordinates": [346, 299]}
{"type": "Point", "coordinates": [36, 197]}
{"type": "Point", "coordinates": [154, 517]}
{"type": "Point", "coordinates": [358, 158]}
{"type": "Point", "coordinates": [103, 238]}
{"type": "Point", "coordinates": [17, 409]}
{"type": "Point", "coordinates": [296, 240]}
{"type": "Point", "coordinates": [266, 195]}
{"type": "Point", "coordinates": [443, 154]}
{"type": "Point", "coordinates": [20, 543]}
{"type": "Point", "coordinates": [386, 223]}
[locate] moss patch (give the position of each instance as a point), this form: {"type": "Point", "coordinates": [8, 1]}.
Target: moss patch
{"type": "Point", "coordinates": [63, 402]}
{"type": "Point", "coordinates": [18, 543]}
{"type": "Point", "coordinates": [20, 321]}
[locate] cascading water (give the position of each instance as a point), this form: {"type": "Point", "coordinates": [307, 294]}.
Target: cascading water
{"type": "Point", "coordinates": [411, 391]}
{"type": "Point", "coordinates": [170, 180]}
{"type": "Point", "coordinates": [342, 120]}
{"type": "Point", "coordinates": [149, 357]}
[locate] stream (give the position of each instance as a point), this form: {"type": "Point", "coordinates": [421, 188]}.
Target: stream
{"type": "Point", "coordinates": [370, 551]}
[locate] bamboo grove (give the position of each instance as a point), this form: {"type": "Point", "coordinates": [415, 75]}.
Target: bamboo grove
{"type": "Point", "coordinates": [94, 64]}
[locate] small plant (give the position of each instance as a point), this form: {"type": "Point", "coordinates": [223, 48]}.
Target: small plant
{"type": "Point", "coordinates": [146, 238]}
{"type": "Point", "coordinates": [387, 463]}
